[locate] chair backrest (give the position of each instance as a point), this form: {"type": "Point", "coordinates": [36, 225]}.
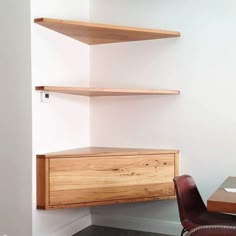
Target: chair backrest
{"type": "Point", "coordinates": [189, 200]}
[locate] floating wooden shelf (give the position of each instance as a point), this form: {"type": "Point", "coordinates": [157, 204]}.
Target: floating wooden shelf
{"type": "Point", "coordinates": [105, 151]}
{"type": "Point", "coordinates": [99, 176]}
{"type": "Point", "coordinates": [95, 92]}
{"type": "Point", "coordinates": [92, 33]}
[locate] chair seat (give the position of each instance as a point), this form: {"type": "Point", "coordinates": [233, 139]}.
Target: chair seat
{"type": "Point", "coordinates": [213, 230]}
{"type": "Point", "coordinates": [210, 218]}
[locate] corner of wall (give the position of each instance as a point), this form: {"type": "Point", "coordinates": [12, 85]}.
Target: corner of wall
{"type": "Point", "coordinates": [136, 223]}
{"type": "Point", "coordinates": [59, 60]}
{"type": "Point", "coordinates": [83, 221]}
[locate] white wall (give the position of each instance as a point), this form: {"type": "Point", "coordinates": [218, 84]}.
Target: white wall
{"type": "Point", "coordinates": [201, 122]}
{"type": "Point", "coordinates": [63, 123]}
{"type": "Point", "coordinates": [15, 119]}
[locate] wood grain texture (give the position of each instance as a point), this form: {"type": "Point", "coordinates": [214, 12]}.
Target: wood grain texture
{"type": "Point", "coordinates": [176, 164]}
{"type": "Point", "coordinates": [110, 202]}
{"type": "Point", "coordinates": [98, 92]}
{"type": "Point", "coordinates": [42, 183]}
{"type": "Point", "coordinates": [92, 33]}
{"type": "Point", "coordinates": [111, 194]}
{"type": "Point", "coordinates": [104, 151]}
{"type": "Point", "coordinates": [99, 176]}
{"type": "Point", "coordinates": [221, 200]}
{"type": "Point", "coordinates": [101, 179]}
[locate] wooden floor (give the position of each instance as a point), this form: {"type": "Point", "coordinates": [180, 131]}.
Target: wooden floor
{"type": "Point", "coordinates": [94, 230]}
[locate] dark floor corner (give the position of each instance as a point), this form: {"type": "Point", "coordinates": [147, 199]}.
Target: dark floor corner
{"type": "Point", "coordinates": [94, 230]}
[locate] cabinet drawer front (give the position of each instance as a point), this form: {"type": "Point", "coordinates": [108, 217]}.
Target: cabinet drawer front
{"type": "Point", "coordinates": [91, 179]}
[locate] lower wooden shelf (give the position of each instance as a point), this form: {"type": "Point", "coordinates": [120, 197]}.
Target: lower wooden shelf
{"type": "Point", "coordinates": [99, 176]}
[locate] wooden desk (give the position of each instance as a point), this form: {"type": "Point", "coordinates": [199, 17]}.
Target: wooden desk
{"type": "Point", "coordinates": [221, 200]}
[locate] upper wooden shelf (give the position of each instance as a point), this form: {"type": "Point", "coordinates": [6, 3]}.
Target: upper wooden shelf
{"type": "Point", "coordinates": [95, 92]}
{"type": "Point", "coordinates": [92, 33]}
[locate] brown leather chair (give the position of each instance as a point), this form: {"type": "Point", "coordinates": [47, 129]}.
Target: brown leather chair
{"type": "Point", "coordinates": [213, 230]}
{"type": "Point", "coordinates": [192, 210]}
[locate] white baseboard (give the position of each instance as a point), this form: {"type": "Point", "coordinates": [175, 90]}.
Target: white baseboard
{"type": "Point", "coordinates": [137, 223]}
{"type": "Point", "coordinates": [73, 227]}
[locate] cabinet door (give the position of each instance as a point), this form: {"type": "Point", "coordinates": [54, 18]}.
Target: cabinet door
{"type": "Point", "coordinates": [105, 180]}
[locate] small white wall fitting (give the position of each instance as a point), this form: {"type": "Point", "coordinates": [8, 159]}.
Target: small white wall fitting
{"type": "Point", "coordinates": [45, 97]}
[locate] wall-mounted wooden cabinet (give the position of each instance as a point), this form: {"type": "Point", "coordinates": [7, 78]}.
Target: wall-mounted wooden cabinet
{"type": "Point", "coordinates": [99, 176]}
